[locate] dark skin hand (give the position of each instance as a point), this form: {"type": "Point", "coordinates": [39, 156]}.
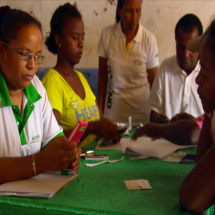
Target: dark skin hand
{"type": "Point", "coordinates": [157, 117]}
{"type": "Point", "coordinates": [106, 128]}
{"type": "Point", "coordinates": [148, 129]}
{"type": "Point", "coordinates": [67, 154]}
{"type": "Point", "coordinates": [181, 132]}
{"type": "Point", "coordinates": [181, 116]}
{"type": "Point", "coordinates": [76, 163]}
{"type": "Point", "coordinates": [59, 154]}
{"type": "Point", "coordinates": [103, 127]}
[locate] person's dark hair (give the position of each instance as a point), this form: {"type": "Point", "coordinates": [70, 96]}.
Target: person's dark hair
{"type": "Point", "coordinates": [211, 31]}
{"type": "Point", "coordinates": [12, 20]}
{"type": "Point", "coordinates": [187, 23]}
{"type": "Point", "coordinates": [57, 23]}
{"type": "Point", "coordinates": [120, 4]}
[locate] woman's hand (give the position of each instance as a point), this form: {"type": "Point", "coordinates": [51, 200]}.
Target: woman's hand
{"type": "Point", "coordinates": [76, 163]}
{"type": "Point", "coordinates": [149, 129]}
{"type": "Point", "coordinates": [59, 154]}
{"type": "Point", "coordinates": [181, 116]}
{"type": "Point", "coordinates": [105, 128]}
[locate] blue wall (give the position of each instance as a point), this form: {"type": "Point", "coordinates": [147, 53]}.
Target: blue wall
{"type": "Point", "coordinates": [90, 74]}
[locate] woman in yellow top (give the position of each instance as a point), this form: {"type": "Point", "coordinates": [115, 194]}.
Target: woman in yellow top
{"type": "Point", "coordinates": [68, 91]}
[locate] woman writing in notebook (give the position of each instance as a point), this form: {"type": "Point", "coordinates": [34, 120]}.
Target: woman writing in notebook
{"type": "Point", "coordinates": [27, 123]}
{"type": "Point", "coordinates": [68, 91]}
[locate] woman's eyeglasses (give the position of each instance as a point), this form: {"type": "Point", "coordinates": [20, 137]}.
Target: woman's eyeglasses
{"type": "Point", "coordinates": [25, 55]}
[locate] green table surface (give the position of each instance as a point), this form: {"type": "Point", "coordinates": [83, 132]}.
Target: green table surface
{"type": "Point", "coordinates": [100, 190]}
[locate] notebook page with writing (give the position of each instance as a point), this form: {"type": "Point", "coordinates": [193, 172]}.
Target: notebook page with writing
{"type": "Point", "coordinates": [158, 148]}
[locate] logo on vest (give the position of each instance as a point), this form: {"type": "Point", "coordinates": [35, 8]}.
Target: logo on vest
{"type": "Point", "coordinates": [138, 62]}
{"type": "Point", "coordinates": [76, 104]}
{"type": "Point", "coordinates": [35, 137]}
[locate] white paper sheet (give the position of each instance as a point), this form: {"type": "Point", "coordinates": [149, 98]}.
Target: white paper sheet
{"type": "Point", "coordinates": [158, 148]}
{"type": "Point", "coordinates": [107, 161]}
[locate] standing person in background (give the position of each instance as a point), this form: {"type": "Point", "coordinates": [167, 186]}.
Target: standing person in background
{"type": "Point", "coordinates": [128, 60]}
{"type": "Point", "coordinates": [68, 90]}
{"type": "Point", "coordinates": [174, 91]}
{"type": "Point", "coordinates": [197, 191]}
{"type": "Point", "coordinates": [31, 141]}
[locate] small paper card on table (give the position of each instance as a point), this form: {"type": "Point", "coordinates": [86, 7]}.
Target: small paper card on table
{"type": "Point", "coordinates": [175, 157]}
{"type": "Point", "coordinates": [140, 184]}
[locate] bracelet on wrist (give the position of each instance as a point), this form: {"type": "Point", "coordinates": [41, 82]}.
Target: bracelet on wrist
{"type": "Point", "coordinates": [34, 165]}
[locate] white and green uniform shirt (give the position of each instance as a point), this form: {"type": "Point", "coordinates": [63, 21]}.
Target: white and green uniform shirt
{"type": "Point", "coordinates": [128, 88]}
{"type": "Point", "coordinates": [27, 133]}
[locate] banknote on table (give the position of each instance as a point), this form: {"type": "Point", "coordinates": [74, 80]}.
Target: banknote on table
{"type": "Point", "coordinates": [140, 184]}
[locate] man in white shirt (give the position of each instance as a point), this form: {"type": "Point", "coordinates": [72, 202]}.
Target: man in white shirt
{"type": "Point", "coordinates": [174, 91]}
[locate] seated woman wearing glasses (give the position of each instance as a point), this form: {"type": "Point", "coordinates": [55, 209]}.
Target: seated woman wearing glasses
{"type": "Point", "coordinates": [68, 91]}
{"type": "Point", "coordinates": [27, 123]}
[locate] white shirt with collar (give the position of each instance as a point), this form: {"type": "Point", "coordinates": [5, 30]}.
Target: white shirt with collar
{"type": "Point", "coordinates": [40, 127]}
{"type": "Point", "coordinates": [128, 88]}
{"type": "Point", "coordinates": [173, 91]}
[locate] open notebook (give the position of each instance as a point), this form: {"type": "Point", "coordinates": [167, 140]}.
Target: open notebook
{"type": "Point", "coordinates": [41, 186]}
{"type": "Point", "coordinates": [158, 148]}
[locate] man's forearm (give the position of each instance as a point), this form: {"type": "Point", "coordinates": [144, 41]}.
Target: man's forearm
{"type": "Point", "coordinates": [182, 132]}
{"type": "Point", "coordinates": [157, 117]}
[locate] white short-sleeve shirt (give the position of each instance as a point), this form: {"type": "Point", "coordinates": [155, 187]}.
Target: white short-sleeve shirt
{"type": "Point", "coordinates": [26, 134]}
{"type": "Point", "coordinates": [128, 88]}
{"type": "Point", "coordinates": [173, 91]}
